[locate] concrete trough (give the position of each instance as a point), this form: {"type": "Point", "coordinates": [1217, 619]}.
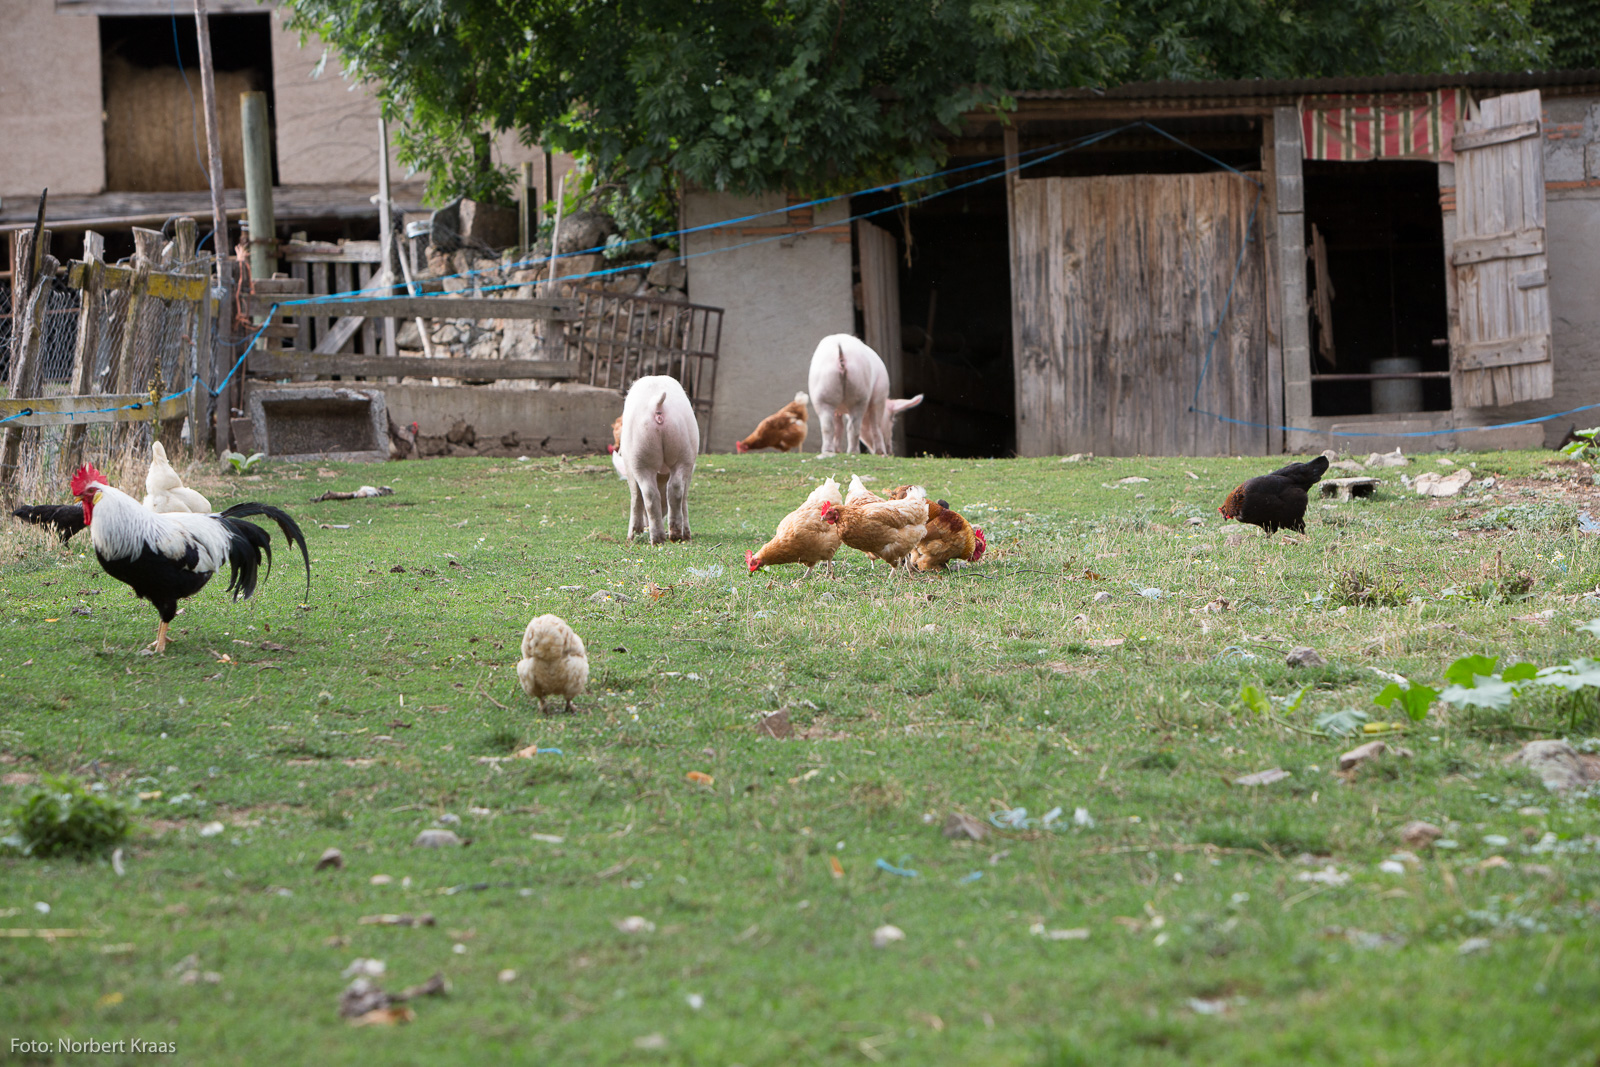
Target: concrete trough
{"type": "Point", "coordinates": [332, 423]}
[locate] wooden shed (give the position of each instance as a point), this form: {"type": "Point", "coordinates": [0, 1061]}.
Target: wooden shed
{"type": "Point", "coordinates": [1209, 268]}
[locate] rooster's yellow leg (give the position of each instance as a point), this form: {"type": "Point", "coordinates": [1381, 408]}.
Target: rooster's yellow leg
{"type": "Point", "coordinates": [161, 637]}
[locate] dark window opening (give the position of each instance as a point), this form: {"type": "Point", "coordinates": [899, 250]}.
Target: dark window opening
{"type": "Point", "coordinates": [155, 130]}
{"type": "Point", "coordinates": [1382, 237]}
{"type": "Point", "coordinates": [955, 317]}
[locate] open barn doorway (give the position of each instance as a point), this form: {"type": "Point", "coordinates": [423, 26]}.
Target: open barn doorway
{"type": "Point", "coordinates": [952, 269]}
{"type": "Point", "coordinates": [1375, 283]}
{"type": "Point", "coordinates": [155, 134]}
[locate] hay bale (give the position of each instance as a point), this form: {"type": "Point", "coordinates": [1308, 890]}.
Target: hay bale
{"type": "Point", "coordinates": [152, 125]}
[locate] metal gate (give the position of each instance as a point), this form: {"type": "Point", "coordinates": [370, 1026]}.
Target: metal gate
{"type": "Point", "coordinates": [620, 338]}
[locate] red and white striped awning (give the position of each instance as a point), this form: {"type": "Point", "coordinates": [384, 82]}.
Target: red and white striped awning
{"type": "Point", "coordinates": [1361, 126]}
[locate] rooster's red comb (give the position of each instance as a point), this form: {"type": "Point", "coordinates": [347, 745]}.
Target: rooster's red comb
{"type": "Point", "coordinates": [87, 475]}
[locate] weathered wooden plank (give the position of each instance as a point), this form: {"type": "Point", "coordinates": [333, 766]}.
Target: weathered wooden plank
{"type": "Point", "coordinates": [331, 342]}
{"type": "Point", "coordinates": [551, 309]}
{"type": "Point", "coordinates": [1119, 285]}
{"type": "Point", "coordinates": [1499, 243]}
{"type": "Point", "coordinates": [330, 252]}
{"type": "Point", "coordinates": [273, 364]}
{"type": "Point", "coordinates": [1480, 355]}
{"type": "Point", "coordinates": [1525, 242]}
{"type": "Point", "coordinates": [1515, 131]}
{"type": "Point", "coordinates": [163, 285]}
{"type": "Point", "coordinates": [72, 410]}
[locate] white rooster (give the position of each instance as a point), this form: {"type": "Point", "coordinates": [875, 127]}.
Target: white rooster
{"type": "Point", "coordinates": [554, 662]}
{"type": "Point", "coordinates": [165, 492]}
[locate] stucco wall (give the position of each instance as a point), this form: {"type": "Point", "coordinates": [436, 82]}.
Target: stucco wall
{"type": "Point", "coordinates": [327, 127]}
{"type": "Point", "coordinates": [49, 102]}
{"type": "Point", "coordinates": [780, 298]}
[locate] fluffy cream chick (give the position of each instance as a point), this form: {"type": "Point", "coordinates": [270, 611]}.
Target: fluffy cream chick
{"type": "Point", "coordinates": [554, 662]}
{"type": "Point", "coordinates": [165, 492]}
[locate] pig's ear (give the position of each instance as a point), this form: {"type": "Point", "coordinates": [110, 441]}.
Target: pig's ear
{"type": "Point", "coordinates": [895, 407]}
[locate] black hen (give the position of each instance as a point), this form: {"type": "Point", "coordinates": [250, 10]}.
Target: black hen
{"type": "Point", "coordinates": [64, 519]}
{"type": "Point", "coordinates": [1276, 501]}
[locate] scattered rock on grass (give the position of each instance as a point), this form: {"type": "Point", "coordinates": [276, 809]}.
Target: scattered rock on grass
{"type": "Point", "coordinates": [1368, 752]}
{"type": "Point", "coordinates": [436, 839]}
{"type": "Point", "coordinates": [1302, 656]}
{"type": "Point", "coordinates": [1419, 834]}
{"type": "Point", "coordinates": [1276, 774]}
{"type": "Point", "coordinates": [886, 935]}
{"type": "Point", "coordinates": [1558, 765]}
{"type": "Point", "coordinates": [1432, 483]}
{"type": "Point", "coordinates": [330, 858]}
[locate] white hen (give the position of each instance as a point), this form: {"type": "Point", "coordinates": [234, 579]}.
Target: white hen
{"type": "Point", "coordinates": [554, 662]}
{"type": "Point", "coordinates": [164, 491]}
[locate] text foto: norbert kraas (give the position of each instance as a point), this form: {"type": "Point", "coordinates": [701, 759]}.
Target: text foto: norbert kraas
{"type": "Point", "coordinates": [72, 1046]}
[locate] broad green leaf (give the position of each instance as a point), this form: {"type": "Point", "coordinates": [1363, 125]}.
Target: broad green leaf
{"type": "Point", "coordinates": [1519, 672]}
{"type": "Point", "coordinates": [1341, 723]}
{"type": "Point", "coordinates": [1293, 705]}
{"type": "Point", "coordinates": [1414, 700]}
{"type": "Point", "coordinates": [1465, 669]}
{"type": "Point", "coordinates": [1592, 626]}
{"type": "Point", "coordinates": [1579, 674]}
{"type": "Point", "coordinates": [1485, 692]}
{"type": "Point", "coordinates": [1255, 700]}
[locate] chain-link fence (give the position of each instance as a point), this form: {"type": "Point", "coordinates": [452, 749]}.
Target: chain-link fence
{"type": "Point", "coordinates": [121, 361]}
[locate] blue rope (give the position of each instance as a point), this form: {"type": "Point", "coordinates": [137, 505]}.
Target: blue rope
{"type": "Point", "coordinates": [1408, 433]}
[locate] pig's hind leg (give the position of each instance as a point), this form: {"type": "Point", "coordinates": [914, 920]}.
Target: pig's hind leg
{"type": "Point", "coordinates": [677, 488]}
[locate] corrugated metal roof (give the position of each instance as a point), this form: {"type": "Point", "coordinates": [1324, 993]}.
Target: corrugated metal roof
{"type": "Point", "coordinates": [1295, 86]}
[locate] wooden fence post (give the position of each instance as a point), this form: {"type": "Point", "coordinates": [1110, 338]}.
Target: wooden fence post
{"type": "Point", "coordinates": [84, 358]}
{"type": "Point", "coordinates": [386, 232]}
{"type": "Point", "coordinates": [258, 184]}
{"type": "Point", "coordinates": [27, 337]}
{"type": "Point", "coordinates": [527, 210]}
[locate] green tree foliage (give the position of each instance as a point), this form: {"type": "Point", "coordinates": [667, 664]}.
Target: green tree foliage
{"type": "Point", "coordinates": [1572, 28]}
{"type": "Point", "coordinates": [817, 95]}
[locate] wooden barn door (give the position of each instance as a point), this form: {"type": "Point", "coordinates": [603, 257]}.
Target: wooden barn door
{"type": "Point", "coordinates": [880, 308]}
{"type": "Point", "coordinates": [1502, 354]}
{"type": "Point", "coordinates": [1117, 285]}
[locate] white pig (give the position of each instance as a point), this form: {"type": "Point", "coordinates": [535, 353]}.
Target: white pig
{"type": "Point", "coordinates": [850, 389]}
{"type": "Point", "coordinates": [660, 440]}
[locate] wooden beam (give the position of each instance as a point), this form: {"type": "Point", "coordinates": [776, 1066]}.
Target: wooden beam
{"type": "Point", "coordinates": [331, 342]}
{"type": "Point", "coordinates": [430, 307]}
{"type": "Point", "coordinates": [1515, 131]}
{"type": "Point", "coordinates": [72, 410]}
{"type": "Point", "coordinates": [274, 364]}
{"type": "Point", "coordinates": [162, 285]}
{"type": "Point", "coordinates": [258, 184]}
{"type": "Point", "coordinates": [1509, 245]}
{"type": "Point", "coordinates": [83, 359]}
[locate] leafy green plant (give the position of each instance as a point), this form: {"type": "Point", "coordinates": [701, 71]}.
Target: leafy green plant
{"type": "Point", "coordinates": [1358, 589]}
{"type": "Point", "coordinates": [65, 819]}
{"type": "Point", "coordinates": [1342, 723]}
{"type": "Point", "coordinates": [1583, 446]}
{"type": "Point", "coordinates": [242, 464]}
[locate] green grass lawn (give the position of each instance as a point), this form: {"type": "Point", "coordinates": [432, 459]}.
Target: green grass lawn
{"type": "Point", "coordinates": [392, 700]}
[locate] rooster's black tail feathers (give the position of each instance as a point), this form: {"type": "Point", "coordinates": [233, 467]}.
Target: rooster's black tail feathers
{"type": "Point", "coordinates": [251, 542]}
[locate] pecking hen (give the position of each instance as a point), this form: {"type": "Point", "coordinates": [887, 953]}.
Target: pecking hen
{"type": "Point", "coordinates": [949, 537]}
{"type": "Point", "coordinates": [803, 536]}
{"type": "Point", "coordinates": [784, 430]}
{"type": "Point", "coordinates": [1276, 501]}
{"type": "Point", "coordinates": [887, 529]}
{"type": "Point", "coordinates": [554, 662]}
